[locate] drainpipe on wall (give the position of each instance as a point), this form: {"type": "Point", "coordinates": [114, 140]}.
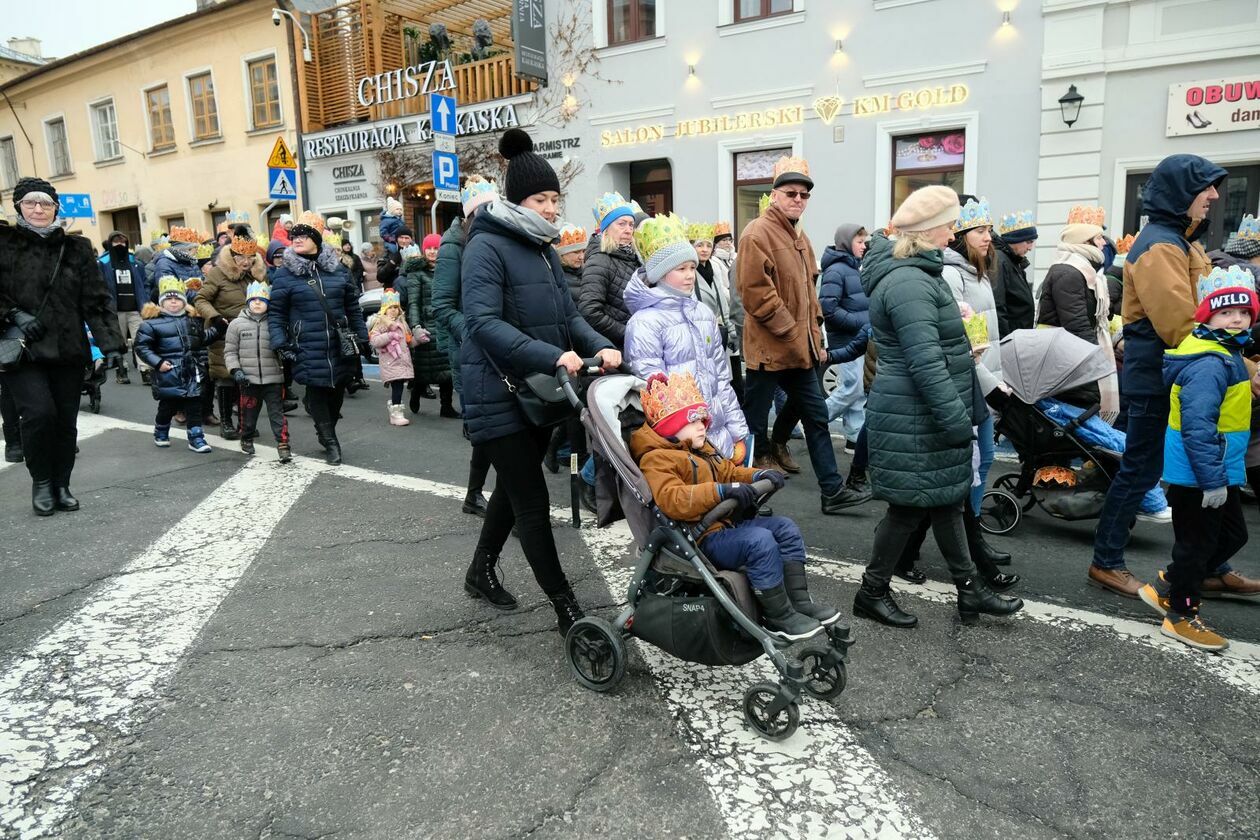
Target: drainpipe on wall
{"type": "Point", "coordinates": [303, 195]}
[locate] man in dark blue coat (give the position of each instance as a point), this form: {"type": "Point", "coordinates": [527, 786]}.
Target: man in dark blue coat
{"type": "Point", "coordinates": [129, 288]}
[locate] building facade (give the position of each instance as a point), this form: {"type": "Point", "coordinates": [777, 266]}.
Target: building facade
{"type": "Point", "coordinates": [168, 126]}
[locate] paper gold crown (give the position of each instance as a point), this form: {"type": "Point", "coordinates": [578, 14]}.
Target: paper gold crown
{"type": "Point", "coordinates": [184, 234]}
{"type": "Point", "coordinates": [1011, 222]}
{"type": "Point", "coordinates": [258, 290]}
{"type": "Point", "coordinates": [974, 214]}
{"type": "Point", "coordinates": [657, 232]}
{"type": "Point", "coordinates": [205, 250]}
{"type": "Point", "coordinates": [763, 203]}
{"type": "Point", "coordinates": [722, 229]}
{"type": "Point", "coordinates": [609, 202]}
{"type": "Point", "coordinates": [1235, 277]}
{"type": "Point", "coordinates": [665, 395]}
{"type": "Point", "coordinates": [1249, 228]}
{"type": "Point", "coordinates": [1124, 243]}
{"type": "Point", "coordinates": [312, 219]}
{"type": "Point", "coordinates": [1084, 214]}
{"type": "Point", "coordinates": [244, 246]}
{"type": "Point", "coordinates": [700, 232]}
{"type": "Point", "coordinates": [389, 298]}
{"type": "Point", "coordinates": [788, 163]}
{"type": "Point", "coordinates": [170, 285]}
{"type": "Point", "coordinates": [571, 235]}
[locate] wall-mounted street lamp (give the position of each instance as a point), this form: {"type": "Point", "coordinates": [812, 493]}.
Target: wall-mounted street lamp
{"type": "Point", "coordinates": [691, 69]}
{"type": "Point", "coordinates": [306, 41]}
{"type": "Point", "coordinates": [1006, 18]}
{"type": "Point", "coordinates": [1070, 105]}
{"type": "Point", "coordinates": [839, 46]}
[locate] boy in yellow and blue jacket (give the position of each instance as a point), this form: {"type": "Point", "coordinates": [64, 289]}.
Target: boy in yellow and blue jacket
{"type": "Point", "coordinates": [1204, 447]}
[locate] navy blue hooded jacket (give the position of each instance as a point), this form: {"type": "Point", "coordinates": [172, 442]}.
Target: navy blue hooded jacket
{"type": "Point", "coordinates": [843, 300]}
{"type": "Point", "coordinates": [518, 312]}
{"type": "Point", "coordinates": [179, 339]}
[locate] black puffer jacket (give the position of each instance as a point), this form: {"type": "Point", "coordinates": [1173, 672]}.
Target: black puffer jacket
{"type": "Point", "coordinates": [178, 339]}
{"type": "Point", "coordinates": [79, 294]}
{"type": "Point", "coordinates": [1011, 291]}
{"type": "Point", "coordinates": [602, 299]}
{"type": "Point", "coordinates": [297, 320]}
{"type": "Point", "coordinates": [573, 276]}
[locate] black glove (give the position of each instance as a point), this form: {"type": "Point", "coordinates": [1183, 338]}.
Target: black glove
{"type": "Point", "coordinates": [32, 329]}
{"type": "Point", "coordinates": [778, 479]}
{"type": "Point", "coordinates": [114, 360]}
{"type": "Point", "coordinates": [219, 323]}
{"type": "Point", "coordinates": [241, 379]}
{"type": "Point", "coordinates": [287, 353]}
{"type": "Point", "coordinates": [742, 493]}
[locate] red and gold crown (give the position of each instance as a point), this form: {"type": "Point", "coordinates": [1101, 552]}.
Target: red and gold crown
{"type": "Point", "coordinates": [1124, 243]}
{"type": "Point", "coordinates": [671, 402]}
{"type": "Point", "coordinates": [313, 219]}
{"type": "Point", "coordinates": [243, 246]}
{"type": "Point", "coordinates": [185, 234]}
{"type": "Point", "coordinates": [787, 163]}
{"type": "Point", "coordinates": [1083, 214]}
{"type": "Point", "coordinates": [571, 235]}
{"type": "Point", "coordinates": [722, 229]}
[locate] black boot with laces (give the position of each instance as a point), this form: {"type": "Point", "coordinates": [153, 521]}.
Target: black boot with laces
{"type": "Point", "coordinates": [567, 610]}
{"type": "Point", "coordinates": [482, 581]}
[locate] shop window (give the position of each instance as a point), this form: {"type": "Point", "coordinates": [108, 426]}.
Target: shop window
{"type": "Point", "coordinates": [8, 163]}
{"type": "Point", "coordinates": [264, 93]}
{"type": "Point", "coordinates": [105, 131]}
{"type": "Point", "coordinates": [204, 110]}
{"type": "Point", "coordinates": [924, 160]}
{"type": "Point", "coordinates": [370, 225]}
{"type": "Point", "coordinates": [169, 222]}
{"type": "Point", "coordinates": [1240, 194]}
{"type": "Point", "coordinates": [217, 217]}
{"type": "Point", "coordinates": [272, 216]}
{"type": "Point", "coordinates": [631, 20]}
{"type": "Point", "coordinates": [652, 185]}
{"type": "Point", "coordinates": [157, 101]}
{"type": "Point", "coordinates": [753, 9]}
{"type": "Point", "coordinates": [754, 175]}
{"type": "Point", "coordinates": [58, 147]}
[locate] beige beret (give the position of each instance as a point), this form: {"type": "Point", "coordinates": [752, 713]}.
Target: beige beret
{"type": "Point", "coordinates": [927, 208]}
{"type": "Point", "coordinates": [1079, 233]}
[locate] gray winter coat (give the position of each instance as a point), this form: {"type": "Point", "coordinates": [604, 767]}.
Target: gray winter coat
{"type": "Point", "coordinates": [247, 347]}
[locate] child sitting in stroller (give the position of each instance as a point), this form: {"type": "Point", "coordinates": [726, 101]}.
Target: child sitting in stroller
{"type": "Point", "coordinates": [688, 478]}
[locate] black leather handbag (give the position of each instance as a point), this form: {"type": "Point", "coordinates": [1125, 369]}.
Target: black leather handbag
{"type": "Point", "coordinates": [13, 349]}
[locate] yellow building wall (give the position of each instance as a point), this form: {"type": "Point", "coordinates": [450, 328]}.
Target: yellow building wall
{"type": "Point", "coordinates": [197, 177]}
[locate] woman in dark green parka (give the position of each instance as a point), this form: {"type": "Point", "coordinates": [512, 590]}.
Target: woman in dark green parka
{"type": "Point", "coordinates": [923, 405]}
{"type": "Point", "coordinates": [431, 361]}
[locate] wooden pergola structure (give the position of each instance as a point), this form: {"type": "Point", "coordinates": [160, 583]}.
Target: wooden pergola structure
{"type": "Point", "coordinates": [361, 38]}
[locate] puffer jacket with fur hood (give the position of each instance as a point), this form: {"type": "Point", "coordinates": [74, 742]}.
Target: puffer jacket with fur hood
{"type": "Point", "coordinates": [178, 339]}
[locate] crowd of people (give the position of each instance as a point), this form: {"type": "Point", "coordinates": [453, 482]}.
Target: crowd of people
{"type": "Point", "coordinates": [911, 318]}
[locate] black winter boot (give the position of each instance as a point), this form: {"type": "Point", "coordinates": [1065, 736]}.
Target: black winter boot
{"type": "Point", "coordinates": [877, 604]}
{"type": "Point", "coordinates": [64, 500]}
{"type": "Point", "coordinates": [984, 556]}
{"type": "Point", "coordinates": [227, 426]}
{"type": "Point", "coordinates": [975, 598]}
{"type": "Point", "coordinates": [13, 445]}
{"type": "Point", "coordinates": [798, 593]}
{"type": "Point", "coordinates": [567, 610]}
{"type": "Point", "coordinates": [779, 617]}
{"type": "Point", "coordinates": [42, 498]}
{"type": "Point", "coordinates": [482, 581]}
{"type": "Point", "coordinates": [857, 481]}
{"type": "Point", "coordinates": [475, 504]}
{"type": "Point", "coordinates": [551, 458]}
{"type": "Point", "coordinates": [586, 495]}
{"type": "Point", "coordinates": [326, 434]}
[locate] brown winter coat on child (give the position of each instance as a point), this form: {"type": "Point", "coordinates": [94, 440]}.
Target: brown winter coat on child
{"type": "Point", "coordinates": [684, 480]}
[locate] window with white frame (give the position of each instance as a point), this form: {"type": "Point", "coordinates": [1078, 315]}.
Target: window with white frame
{"type": "Point", "coordinates": [105, 131]}
{"type": "Point", "coordinates": [8, 162]}
{"type": "Point", "coordinates": [58, 147]}
{"type": "Point", "coordinates": [205, 112]}
{"type": "Point", "coordinates": [157, 102]}
{"type": "Point", "coordinates": [264, 92]}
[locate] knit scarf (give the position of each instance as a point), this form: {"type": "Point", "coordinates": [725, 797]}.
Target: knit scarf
{"type": "Point", "coordinates": [1108, 388]}
{"type": "Point", "coordinates": [44, 232]}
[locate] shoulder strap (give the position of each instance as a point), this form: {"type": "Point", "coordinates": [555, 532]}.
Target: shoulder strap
{"type": "Point", "coordinates": [317, 286]}
{"type": "Point", "coordinates": [52, 281]}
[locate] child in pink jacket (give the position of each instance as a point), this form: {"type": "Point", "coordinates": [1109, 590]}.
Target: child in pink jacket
{"type": "Point", "coordinates": [393, 340]}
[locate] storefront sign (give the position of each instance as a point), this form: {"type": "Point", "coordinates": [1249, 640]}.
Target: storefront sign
{"type": "Point", "coordinates": [350, 183]}
{"type": "Point", "coordinates": [704, 126]}
{"type": "Point", "coordinates": [1213, 105]}
{"type": "Point", "coordinates": [555, 149]}
{"type": "Point", "coordinates": [393, 135]}
{"type": "Point", "coordinates": [529, 33]}
{"type": "Point", "coordinates": [922, 99]}
{"type": "Point", "coordinates": [405, 83]}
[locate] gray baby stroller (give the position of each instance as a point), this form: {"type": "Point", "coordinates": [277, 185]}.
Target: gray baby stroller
{"type": "Point", "coordinates": [677, 600]}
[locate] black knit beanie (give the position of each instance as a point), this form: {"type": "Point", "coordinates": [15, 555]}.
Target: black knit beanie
{"type": "Point", "coordinates": [30, 185]}
{"type": "Point", "coordinates": [307, 230]}
{"type": "Point", "coordinates": [527, 172]}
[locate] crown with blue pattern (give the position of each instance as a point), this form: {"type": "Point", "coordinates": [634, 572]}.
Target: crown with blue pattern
{"type": "Point", "coordinates": [476, 192]}
{"type": "Point", "coordinates": [1235, 277]}
{"type": "Point", "coordinates": [389, 298]}
{"type": "Point", "coordinates": [610, 207]}
{"type": "Point", "coordinates": [1011, 222]}
{"type": "Point", "coordinates": [974, 214]}
{"type": "Point", "coordinates": [258, 290]}
{"type": "Point", "coordinates": [1248, 228]}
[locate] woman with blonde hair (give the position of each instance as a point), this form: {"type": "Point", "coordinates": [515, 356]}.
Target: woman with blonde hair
{"type": "Point", "coordinates": [924, 405]}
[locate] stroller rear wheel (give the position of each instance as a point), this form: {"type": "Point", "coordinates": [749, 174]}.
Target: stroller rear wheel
{"type": "Point", "coordinates": [776, 727]}
{"type": "Point", "coordinates": [1010, 483]}
{"type": "Point", "coordinates": [999, 512]}
{"type": "Point", "coordinates": [596, 653]}
{"type": "Point", "coordinates": [825, 672]}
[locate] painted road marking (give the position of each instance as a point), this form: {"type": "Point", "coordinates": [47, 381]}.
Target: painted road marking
{"type": "Point", "coordinates": [84, 434]}
{"type": "Point", "coordinates": [95, 676]}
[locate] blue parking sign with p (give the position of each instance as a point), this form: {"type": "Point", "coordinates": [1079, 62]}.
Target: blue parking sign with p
{"type": "Point", "coordinates": [445, 171]}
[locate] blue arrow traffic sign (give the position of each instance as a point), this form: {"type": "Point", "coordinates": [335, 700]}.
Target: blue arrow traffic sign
{"type": "Point", "coordinates": [280, 183]}
{"type": "Point", "coordinates": [442, 114]}
{"type": "Point", "coordinates": [445, 171]}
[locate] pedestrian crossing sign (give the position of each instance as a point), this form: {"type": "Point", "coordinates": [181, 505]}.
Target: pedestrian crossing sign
{"type": "Point", "coordinates": [281, 156]}
{"type": "Point", "coordinates": [280, 183]}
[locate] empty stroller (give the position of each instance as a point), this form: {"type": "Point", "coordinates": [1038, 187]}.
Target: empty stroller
{"type": "Point", "coordinates": [678, 601]}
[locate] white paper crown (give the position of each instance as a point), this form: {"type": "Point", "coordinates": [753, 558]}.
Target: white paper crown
{"type": "Point", "coordinates": [1012, 222]}
{"type": "Point", "coordinates": [1236, 277]}
{"type": "Point", "coordinates": [974, 214]}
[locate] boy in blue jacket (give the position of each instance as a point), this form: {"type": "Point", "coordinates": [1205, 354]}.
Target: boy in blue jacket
{"type": "Point", "coordinates": [1204, 448]}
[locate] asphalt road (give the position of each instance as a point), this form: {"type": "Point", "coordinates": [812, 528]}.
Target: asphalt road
{"type": "Point", "coordinates": [219, 647]}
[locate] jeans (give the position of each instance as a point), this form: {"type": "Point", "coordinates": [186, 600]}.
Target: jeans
{"type": "Point", "coordinates": [895, 530]}
{"type": "Point", "coordinates": [128, 325]}
{"type": "Point", "coordinates": [759, 546]}
{"type": "Point", "coordinates": [1140, 470]}
{"type": "Point", "coordinates": [520, 497]}
{"type": "Point", "coordinates": [848, 402]}
{"type": "Point", "coordinates": [47, 400]}
{"type": "Point", "coordinates": [984, 440]}
{"type": "Point", "coordinates": [1204, 538]}
{"type": "Point", "coordinates": [588, 471]}
{"type": "Point", "coordinates": [804, 390]}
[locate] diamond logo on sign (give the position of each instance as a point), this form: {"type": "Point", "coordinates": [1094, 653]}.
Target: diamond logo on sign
{"type": "Point", "coordinates": [442, 114]}
{"type": "Point", "coordinates": [281, 156]}
{"type": "Point", "coordinates": [280, 183]}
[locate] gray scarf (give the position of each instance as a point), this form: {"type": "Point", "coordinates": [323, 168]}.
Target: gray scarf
{"type": "Point", "coordinates": [524, 221]}
{"type": "Point", "coordinates": [45, 232]}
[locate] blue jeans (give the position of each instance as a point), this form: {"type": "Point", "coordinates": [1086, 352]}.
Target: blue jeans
{"type": "Point", "coordinates": [847, 403]}
{"type": "Point", "coordinates": [984, 439]}
{"type": "Point", "coordinates": [759, 546]}
{"type": "Point", "coordinates": [805, 399]}
{"type": "Point", "coordinates": [1140, 470]}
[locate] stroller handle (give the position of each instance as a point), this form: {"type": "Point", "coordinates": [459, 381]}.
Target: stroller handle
{"type": "Point", "coordinates": [727, 507]}
{"type": "Point", "coordinates": [590, 367]}
{"type": "Point", "coordinates": [1082, 419]}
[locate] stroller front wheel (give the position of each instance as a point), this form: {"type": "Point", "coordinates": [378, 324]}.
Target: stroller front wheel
{"type": "Point", "coordinates": [596, 653]}
{"type": "Point", "coordinates": [999, 512]}
{"type": "Point", "coordinates": [777, 727]}
{"type": "Point", "coordinates": [825, 681]}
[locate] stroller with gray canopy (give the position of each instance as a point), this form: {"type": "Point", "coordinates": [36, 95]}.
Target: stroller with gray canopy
{"type": "Point", "coordinates": [677, 600]}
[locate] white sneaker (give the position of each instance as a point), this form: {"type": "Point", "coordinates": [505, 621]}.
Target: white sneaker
{"type": "Point", "coordinates": [1162, 517]}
